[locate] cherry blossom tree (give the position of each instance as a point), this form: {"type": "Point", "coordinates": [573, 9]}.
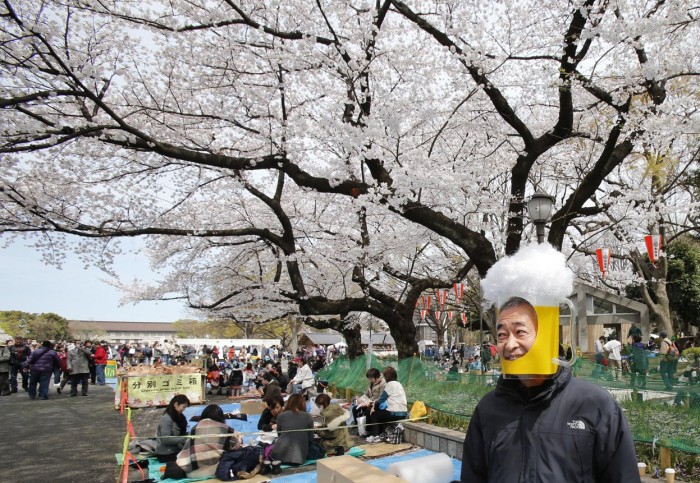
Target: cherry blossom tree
{"type": "Point", "coordinates": [336, 156]}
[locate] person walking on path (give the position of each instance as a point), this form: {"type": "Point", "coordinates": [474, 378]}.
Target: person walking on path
{"type": "Point", "coordinates": [669, 360]}
{"type": "Point", "coordinates": [79, 368]}
{"type": "Point", "coordinates": [100, 363]}
{"type": "Point", "coordinates": [5, 356]}
{"type": "Point", "coordinates": [65, 374]}
{"type": "Point", "coordinates": [20, 353]}
{"type": "Point", "coordinates": [42, 363]}
{"type": "Point", "coordinates": [613, 349]}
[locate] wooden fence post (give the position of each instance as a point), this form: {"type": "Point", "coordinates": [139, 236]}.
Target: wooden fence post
{"type": "Point", "coordinates": [665, 458]}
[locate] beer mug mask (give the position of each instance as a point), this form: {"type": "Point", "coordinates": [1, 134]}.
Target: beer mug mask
{"type": "Point", "coordinates": [539, 275]}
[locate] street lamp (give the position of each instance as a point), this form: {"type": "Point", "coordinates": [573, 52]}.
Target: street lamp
{"type": "Point", "coordinates": [539, 206]}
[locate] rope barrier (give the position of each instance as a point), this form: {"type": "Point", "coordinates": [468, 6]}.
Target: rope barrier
{"type": "Point", "coordinates": [256, 433]}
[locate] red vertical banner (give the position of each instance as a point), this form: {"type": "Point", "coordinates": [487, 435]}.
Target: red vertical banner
{"type": "Point", "coordinates": [437, 315]}
{"type": "Point", "coordinates": [426, 301]}
{"type": "Point", "coordinates": [449, 315]}
{"type": "Point", "coordinates": [459, 292]}
{"type": "Point", "coordinates": [603, 256]}
{"type": "Point", "coordinates": [442, 297]}
{"type": "Point", "coordinates": [653, 243]}
{"type": "Point", "coordinates": [465, 319]}
{"type": "Point", "coordinates": [423, 314]}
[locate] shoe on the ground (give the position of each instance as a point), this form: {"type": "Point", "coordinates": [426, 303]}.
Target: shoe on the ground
{"type": "Point", "coordinates": [141, 463]}
{"type": "Point", "coordinates": [276, 467]}
{"type": "Point", "coordinates": [265, 467]}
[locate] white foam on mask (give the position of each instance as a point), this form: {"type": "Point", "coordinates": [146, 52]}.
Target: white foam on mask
{"type": "Point", "coordinates": [537, 273]}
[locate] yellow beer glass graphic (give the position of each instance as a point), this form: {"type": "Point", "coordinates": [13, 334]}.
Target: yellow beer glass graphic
{"type": "Point", "coordinates": [543, 357]}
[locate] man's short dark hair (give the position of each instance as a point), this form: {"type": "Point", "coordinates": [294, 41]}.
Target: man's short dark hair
{"type": "Point", "coordinates": [373, 373]}
{"type": "Point", "coordinates": [514, 302]}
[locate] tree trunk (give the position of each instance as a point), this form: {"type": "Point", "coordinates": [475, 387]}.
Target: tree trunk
{"type": "Point", "coordinates": [403, 330]}
{"type": "Point", "coordinates": [353, 338]}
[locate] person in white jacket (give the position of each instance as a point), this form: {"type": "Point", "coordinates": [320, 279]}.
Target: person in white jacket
{"type": "Point", "coordinates": [303, 380]}
{"type": "Point", "coordinates": [391, 406]}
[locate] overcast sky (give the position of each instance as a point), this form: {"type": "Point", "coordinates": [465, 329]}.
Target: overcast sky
{"type": "Point", "coordinates": [28, 285]}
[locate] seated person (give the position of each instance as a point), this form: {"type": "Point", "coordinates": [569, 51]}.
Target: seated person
{"type": "Point", "coordinates": [200, 456]}
{"type": "Point", "coordinates": [277, 371]}
{"type": "Point", "coordinates": [171, 434]}
{"type": "Point", "coordinates": [292, 446]}
{"type": "Point", "coordinates": [391, 405]}
{"type": "Point", "coordinates": [303, 379]}
{"type": "Point", "coordinates": [376, 387]}
{"type": "Point", "coordinates": [475, 365]}
{"type": "Point", "coordinates": [268, 418]}
{"type": "Point", "coordinates": [453, 373]}
{"type": "Point", "coordinates": [270, 387]}
{"type": "Point", "coordinates": [335, 435]}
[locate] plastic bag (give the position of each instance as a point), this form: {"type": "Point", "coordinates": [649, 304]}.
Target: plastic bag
{"type": "Point", "coordinates": [362, 425]}
{"type": "Point", "coordinates": [418, 410]}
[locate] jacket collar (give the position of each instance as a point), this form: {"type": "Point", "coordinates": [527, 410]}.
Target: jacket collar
{"type": "Point", "coordinates": [513, 389]}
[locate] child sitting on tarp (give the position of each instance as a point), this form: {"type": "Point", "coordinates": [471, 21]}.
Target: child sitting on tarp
{"type": "Point", "coordinates": [335, 436]}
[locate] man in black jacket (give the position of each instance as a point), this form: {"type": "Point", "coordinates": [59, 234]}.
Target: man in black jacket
{"type": "Point", "coordinates": [20, 354]}
{"type": "Point", "coordinates": [545, 429]}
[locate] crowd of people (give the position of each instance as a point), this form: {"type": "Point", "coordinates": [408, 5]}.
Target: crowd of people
{"type": "Point", "coordinates": [296, 426]}
{"type": "Point", "coordinates": [615, 359]}
{"type": "Point", "coordinates": [34, 366]}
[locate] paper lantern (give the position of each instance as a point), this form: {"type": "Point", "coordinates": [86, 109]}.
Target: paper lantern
{"type": "Point", "coordinates": [653, 243]}
{"type": "Point", "coordinates": [603, 256]}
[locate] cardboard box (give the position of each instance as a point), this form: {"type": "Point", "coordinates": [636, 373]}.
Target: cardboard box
{"type": "Point", "coordinates": [253, 406]}
{"type": "Point", "coordinates": [346, 469]}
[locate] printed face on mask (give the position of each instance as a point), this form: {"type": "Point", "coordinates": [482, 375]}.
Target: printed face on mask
{"type": "Point", "coordinates": [516, 331]}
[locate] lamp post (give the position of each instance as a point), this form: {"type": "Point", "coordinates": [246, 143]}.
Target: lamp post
{"type": "Point", "coordinates": [539, 206]}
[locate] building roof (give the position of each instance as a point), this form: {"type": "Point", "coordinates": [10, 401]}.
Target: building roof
{"type": "Point", "coordinates": [378, 338]}
{"type": "Point", "coordinates": [320, 338]}
{"type": "Point", "coordinates": [116, 326]}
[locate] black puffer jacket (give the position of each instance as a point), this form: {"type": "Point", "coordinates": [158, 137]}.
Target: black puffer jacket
{"type": "Point", "coordinates": [563, 430]}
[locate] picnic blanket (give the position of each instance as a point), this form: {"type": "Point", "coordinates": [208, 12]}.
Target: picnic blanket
{"type": "Point", "coordinates": [155, 468]}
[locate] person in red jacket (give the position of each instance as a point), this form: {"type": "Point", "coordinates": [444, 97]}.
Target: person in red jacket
{"type": "Point", "coordinates": [101, 362]}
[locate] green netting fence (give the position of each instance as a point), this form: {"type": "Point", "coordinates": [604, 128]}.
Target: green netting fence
{"type": "Point", "coordinates": [667, 418]}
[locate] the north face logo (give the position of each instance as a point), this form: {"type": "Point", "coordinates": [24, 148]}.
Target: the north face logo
{"type": "Point", "coordinates": [576, 424]}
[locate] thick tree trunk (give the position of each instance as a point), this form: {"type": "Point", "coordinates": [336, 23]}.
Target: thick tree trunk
{"type": "Point", "coordinates": [353, 338]}
{"type": "Point", "coordinates": [403, 330]}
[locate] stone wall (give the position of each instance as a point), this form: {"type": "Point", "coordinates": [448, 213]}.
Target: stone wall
{"type": "Point", "coordinates": [433, 438]}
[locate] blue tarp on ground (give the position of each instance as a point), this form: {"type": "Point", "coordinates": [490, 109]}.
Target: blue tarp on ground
{"type": "Point", "coordinates": [250, 427]}
{"type": "Point", "coordinates": [381, 463]}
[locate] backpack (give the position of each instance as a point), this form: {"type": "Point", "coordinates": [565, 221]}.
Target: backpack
{"type": "Point", "coordinates": [673, 353]}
